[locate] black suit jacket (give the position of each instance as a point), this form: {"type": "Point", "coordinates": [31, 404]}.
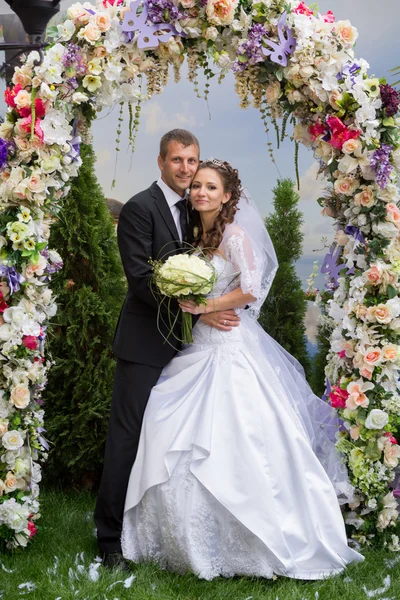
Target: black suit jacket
{"type": "Point", "coordinates": [146, 229]}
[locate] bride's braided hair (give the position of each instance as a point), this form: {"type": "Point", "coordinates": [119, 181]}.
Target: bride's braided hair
{"type": "Point", "coordinates": [231, 183]}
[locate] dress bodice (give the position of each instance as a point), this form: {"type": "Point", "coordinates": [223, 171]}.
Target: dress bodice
{"type": "Point", "coordinates": [228, 279]}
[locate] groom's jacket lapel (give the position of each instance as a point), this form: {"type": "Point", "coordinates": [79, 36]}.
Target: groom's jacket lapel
{"type": "Point", "coordinates": [165, 212]}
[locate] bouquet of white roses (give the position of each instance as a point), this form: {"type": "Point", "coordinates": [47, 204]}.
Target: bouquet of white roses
{"type": "Point", "coordinates": [183, 276]}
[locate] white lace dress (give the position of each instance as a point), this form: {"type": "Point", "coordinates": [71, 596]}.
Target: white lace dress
{"type": "Point", "coordinates": [227, 480]}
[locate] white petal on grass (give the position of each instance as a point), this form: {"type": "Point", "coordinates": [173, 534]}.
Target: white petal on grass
{"type": "Point", "coordinates": [29, 586]}
{"type": "Point", "coordinates": [97, 559]}
{"type": "Point", "coordinates": [378, 591]}
{"type": "Point", "coordinates": [114, 584]}
{"type": "Point", "coordinates": [129, 580]}
{"type": "Point", "coordinates": [6, 570]}
{"type": "Point", "coordinates": [391, 562]}
{"type": "Point", "coordinates": [94, 574]}
{"type": "Point", "coordinates": [53, 570]}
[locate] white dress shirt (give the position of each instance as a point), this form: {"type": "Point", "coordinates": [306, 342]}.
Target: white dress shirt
{"type": "Point", "coordinates": [172, 198]}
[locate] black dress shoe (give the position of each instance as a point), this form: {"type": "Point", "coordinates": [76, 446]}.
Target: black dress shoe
{"type": "Point", "coordinates": [115, 561]}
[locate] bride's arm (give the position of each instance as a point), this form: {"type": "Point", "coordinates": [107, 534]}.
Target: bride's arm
{"type": "Point", "coordinates": [234, 299]}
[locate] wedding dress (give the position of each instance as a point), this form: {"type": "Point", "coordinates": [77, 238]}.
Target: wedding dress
{"type": "Point", "coordinates": [236, 471]}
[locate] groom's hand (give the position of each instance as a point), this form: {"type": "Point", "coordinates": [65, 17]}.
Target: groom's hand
{"type": "Point", "coordinates": [223, 320]}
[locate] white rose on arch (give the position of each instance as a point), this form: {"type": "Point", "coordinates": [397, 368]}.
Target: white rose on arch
{"type": "Point", "coordinates": [12, 440]}
{"type": "Point", "coordinates": [377, 419]}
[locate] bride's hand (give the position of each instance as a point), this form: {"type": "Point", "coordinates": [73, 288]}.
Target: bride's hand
{"type": "Point", "coordinates": [191, 307]}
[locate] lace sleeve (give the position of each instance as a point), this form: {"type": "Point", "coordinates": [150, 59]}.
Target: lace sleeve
{"type": "Point", "coordinates": [239, 251]}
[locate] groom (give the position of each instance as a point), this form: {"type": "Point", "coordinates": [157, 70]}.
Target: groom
{"type": "Point", "coordinates": [153, 223]}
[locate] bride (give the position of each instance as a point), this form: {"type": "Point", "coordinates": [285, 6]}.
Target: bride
{"type": "Point", "coordinates": [236, 472]}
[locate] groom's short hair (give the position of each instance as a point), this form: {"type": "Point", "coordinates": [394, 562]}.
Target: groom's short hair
{"type": "Point", "coordinates": [182, 136]}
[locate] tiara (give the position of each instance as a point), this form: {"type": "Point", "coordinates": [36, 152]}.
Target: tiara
{"type": "Point", "coordinates": [216, 162]}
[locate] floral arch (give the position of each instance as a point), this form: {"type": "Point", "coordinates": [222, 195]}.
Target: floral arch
{"type": "Point", "coordinates": [296, 67]}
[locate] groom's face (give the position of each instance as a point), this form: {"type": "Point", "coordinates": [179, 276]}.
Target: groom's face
{"type": "Point", "coordinates": [179, 166]}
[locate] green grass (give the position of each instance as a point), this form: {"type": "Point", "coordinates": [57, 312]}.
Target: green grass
{"type": "Point", "coordinates": [67, 529]}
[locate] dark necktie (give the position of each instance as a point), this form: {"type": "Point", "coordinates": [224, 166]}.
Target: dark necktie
{"type": "Point", "coordinates": [181, 205]}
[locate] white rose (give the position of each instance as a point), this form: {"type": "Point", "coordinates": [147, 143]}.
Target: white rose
{"type": "Point", "coordinates": [341, 237]}
{"type": "Point", "coordinates": [395, 325]}
{"type": "Point", "coordinates": [50, 163]}
{"type": "Point", "coordinates": [20, 396]}
{"type": "Point", "coordinates": [211, 33]}
{"type": "Point", "coordinates": [36, 472]}
{"type": "Point", "coordinates": [385, 229]}
{"type": "Point", "coordinates": [351, 146]}
{"type": "Point", "coordinates": [21, 467]}
{"type": "Point", "coordinates": [377, 419]}
{"type": "Point", "coordinates": [6, 129]}
{"type": "Point", "coordinates": [346, 33]}
{"type": "Point", "coordinates": [46, 296]}
{"type": "Point", "coordinates": [79, 97]}
{"type": "Point", "coordinates": [387, 517]}
{"type": "Point", "coordinates": [224, 61]}
{"type": "Point", "coordinates": [389, 501]}
{"type": "Point", "coordinates": [10, 482]}
{"type": "Point", "coordinates": [3, 426]}
{"type": "Point", "coordinates": [6, 332]}
{"type": "Point", "coordinates": [273, 92]}
{"type": "Point", "coordinates": [33, 371]}
{"type": "Point", "coordinates": [396, 157]}
{"type": "Point", "coordinates": [12, 440]}
{"type": "Point", "coordinates": [14, 315]}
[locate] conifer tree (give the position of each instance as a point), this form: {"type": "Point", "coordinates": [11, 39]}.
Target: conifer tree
{"type": "Point", "coordinates": [90, 290]}
{"type": "Point", "coordinates": [283, 312]}
{"type": "Point", "coordinates": [318, 377]}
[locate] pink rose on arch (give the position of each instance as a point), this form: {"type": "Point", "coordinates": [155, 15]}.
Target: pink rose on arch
{"type": "Point", "coordinates": [329, 17]}
{"type": "Point", "coordinates": [338, 397]}
{"type": "Point", "coordinates": [32, 529]}
{"type": "Point", "coordinates": [30, 342]}
{"type": "Point", "coordinates": [302, 9]}
{"type": "Point", "coordinates": [317, 130]}
{"type": "Point", "coordinates": [393, 214]}
{"type": "Point", "coordinates": [373, 275]}
{"type": "Point", "coordinates": [392, 439]}
{"type": "Point", "coordinates": [340, 133]}
{"type": "Point", "coordinates": [40, 109]}
{"type": "Point", "coordinates": [10, 93]}
{"type": "Point", "coordinates": [26, 123]}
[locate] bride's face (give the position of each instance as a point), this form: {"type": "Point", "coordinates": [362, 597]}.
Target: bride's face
{"type": "Point", "coordinates": [207, 192]}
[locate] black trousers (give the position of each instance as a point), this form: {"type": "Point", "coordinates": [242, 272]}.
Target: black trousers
{"type": "Point", "coordinates": [132, 387]}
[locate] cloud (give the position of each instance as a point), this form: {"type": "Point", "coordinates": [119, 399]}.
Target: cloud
{"type": "Point", "coordinates": [314, 234]}
{"type": "Point", "coordinates": [158, 120]}
{"type": "Point", "coordinates": [312, 186]}
{"type": "Point", "coordinates": [311, 322]}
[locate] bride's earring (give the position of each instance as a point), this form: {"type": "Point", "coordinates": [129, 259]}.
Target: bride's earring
{"type": "Point", "coordinates": [221, 207]}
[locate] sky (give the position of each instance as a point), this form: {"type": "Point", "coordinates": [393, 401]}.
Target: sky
{"type": "Point", "coordinates": [230, 133]}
